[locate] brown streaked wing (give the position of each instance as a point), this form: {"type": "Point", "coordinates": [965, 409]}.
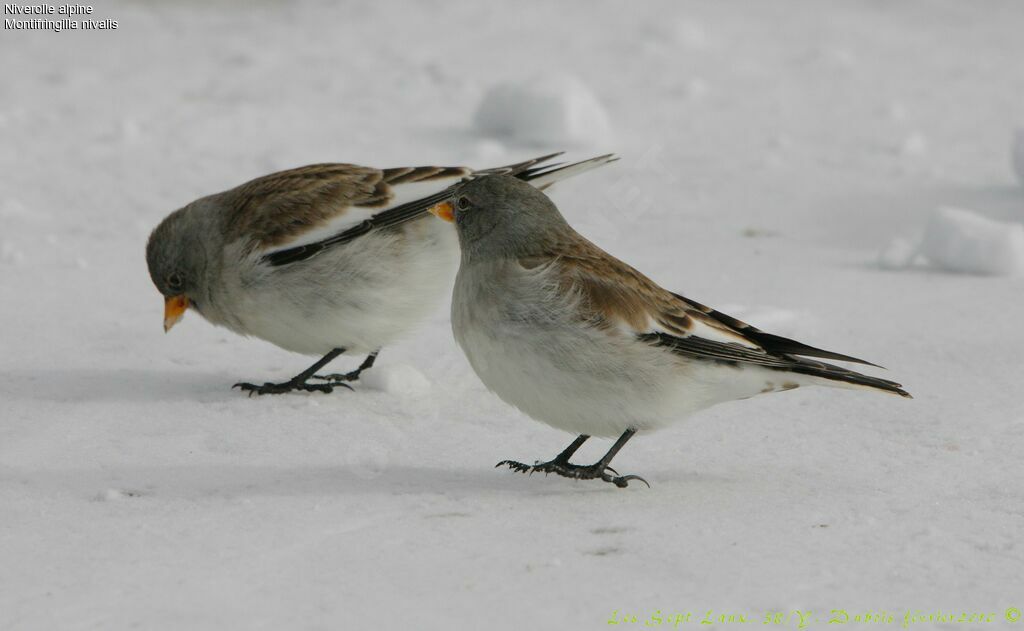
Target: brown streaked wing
{"type": "Point", "coordinates": [614, 292]}
{"type": "Point", "coordinates": [277, 208]}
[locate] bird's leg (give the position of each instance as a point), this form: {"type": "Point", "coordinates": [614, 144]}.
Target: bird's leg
{"type": "Point", "coordinates": [597, 471]}
{"type": "Point", "coordinates": [600, 468]}
{"type": "Point", "coordinates": [560, 459]}
{"type": "Point", "coordinates": [298, 382]}
{"type": "Point", "coordinates": [351, 376]}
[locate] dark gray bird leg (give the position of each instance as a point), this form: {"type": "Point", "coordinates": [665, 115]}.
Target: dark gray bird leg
{"type": "Point", "coordinates": [599, 470]}
{"type": "Point", "coordinates": [298, 382]}
{"type": "Point", "coordinates": [351, 376]}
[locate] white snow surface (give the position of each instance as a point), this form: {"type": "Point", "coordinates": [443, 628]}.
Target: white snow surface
{"type": "Point", "coordinates": [769, 150]}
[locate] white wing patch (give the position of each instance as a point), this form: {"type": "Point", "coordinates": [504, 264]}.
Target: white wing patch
{"type": "Point", "coordinates": [700, 329]}
{"type": "Point", "coordinates": [708, 332]}
{"type": "Point", "coordinates": [354, 215]}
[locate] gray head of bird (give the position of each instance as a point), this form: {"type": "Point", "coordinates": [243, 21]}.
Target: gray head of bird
{"type": "Point", "coordinates": [177, 254]}
{"type": "Point", "coordinates": [500, 216]}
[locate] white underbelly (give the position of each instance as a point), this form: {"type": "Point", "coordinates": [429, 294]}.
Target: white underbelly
{"type": "Point", "coordinates": [593, 393]}
{"type": "Point", "coordinates": [586, 380]}
{"type": "Point", "coordinates": [360, 296]}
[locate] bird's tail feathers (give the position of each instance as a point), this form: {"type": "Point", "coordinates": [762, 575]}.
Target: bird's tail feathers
{"type": "Point", "coordinates": [842, 377]}
{"type": "Point", "coordinates": [544, 176]}
{"type": "Point", "coordinates": [519, 168]}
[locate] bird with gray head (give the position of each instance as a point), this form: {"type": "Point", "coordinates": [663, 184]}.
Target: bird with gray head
{"type": "Point", "coordinates": [579, 340]}
{"type": "Point", "coordinates": [322, 259]}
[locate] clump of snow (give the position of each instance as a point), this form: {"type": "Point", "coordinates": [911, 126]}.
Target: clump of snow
{"type": "Point", "coordinates": [400, 379]}
{"type": "Point", "coordinates": [10, 254]}
{"type": "Point", "coordinates": [895, 110]}
{"type": "Point", "coordinates": [694, 88]}
{"type": "Point", "coordinates": [550, 110]}
{"type": "Point", "coordinates": [829, 58]}
{"type": "Point", "coordinates": [690, 34]}
{"type": "Point", "coordinates": [367, 459]}
{"type": "Point", "coordinates": [899, 254]}
{"type": "Point", "coordinates": [781, 141]}
{"type": "Point", "coordinates": [959, 240]}
{"type": "Point", "coordinates": [12, 208]}
{"type": "Point", "coordinates": [1018, 154]}
{"type": "Point", "coordinates": [839, 57]}
{"type": "Point", "coordinates": [916, 144]}
{"type": "Point", "coordinates": [687, 33]}
{"type": "Point", "coordinates": [113, 495]}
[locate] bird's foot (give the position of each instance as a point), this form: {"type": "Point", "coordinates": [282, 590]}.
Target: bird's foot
{"type": "Point", "coordinates": [289, 386]}
{"type": "Point", "coordinates": [566, 469]}
{"type": "Point", "coordinates": [339, 378]}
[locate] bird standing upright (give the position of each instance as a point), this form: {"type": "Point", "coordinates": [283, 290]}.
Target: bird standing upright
{"type": "Point", "coordinates": [579, 340]}
{"type": "Point", "coordinates": [322, 259]}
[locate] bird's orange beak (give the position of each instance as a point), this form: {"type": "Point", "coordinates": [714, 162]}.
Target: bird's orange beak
{"type": "Point", "coordinates": [444, 210]}
{"type": "Point", "coordinates": [174, 309]}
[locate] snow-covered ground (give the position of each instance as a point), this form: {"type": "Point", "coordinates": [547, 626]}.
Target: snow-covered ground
{"type": "Point", "coordinates": [770, 152]}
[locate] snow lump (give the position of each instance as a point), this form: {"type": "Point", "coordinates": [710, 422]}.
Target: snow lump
{"type": "Point", "coordinates": [962, 241]}
{"type": "Point", "coordinates": [550, 110]}
{"type": "Point", "coordinates": [957, 240]}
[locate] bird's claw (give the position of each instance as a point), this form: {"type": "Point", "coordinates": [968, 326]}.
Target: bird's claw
{"type": "Point", "coordinates": [518, 467]}
{"type": "Point", "coordinates": [622, 481]}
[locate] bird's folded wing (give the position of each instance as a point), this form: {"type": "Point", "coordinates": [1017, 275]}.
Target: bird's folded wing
{"type": "Point", "coordinates": [296, 214]}
{"type": "Point", "coordinates": [774, 344]}
{"type": "Point", "coordinates": [294, 208]}
{"type": "Point", "coordinates": [614, 295]}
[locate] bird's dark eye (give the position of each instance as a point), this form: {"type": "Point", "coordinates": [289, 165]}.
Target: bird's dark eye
{"type": "Point", "coordinates": [463, 203]}
{"type": "Point", "coordinates": [174, 281]}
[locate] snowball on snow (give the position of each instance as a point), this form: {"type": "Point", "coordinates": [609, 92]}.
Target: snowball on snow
{"type": "Point", "coordinates": [1018, 154]}
{"type": "Point", "coordinates": [548, 110]}
{"type": "Point", "coordinates": [916, 144]}
{"type": "Point", "coordinates": [111, 495]}
{"type": "Point", "coordinates": [899, 254]}
{"type": "Point", "coordinates": [962, 241]}
{"type": "Point", "coordinates": [397, 378]}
